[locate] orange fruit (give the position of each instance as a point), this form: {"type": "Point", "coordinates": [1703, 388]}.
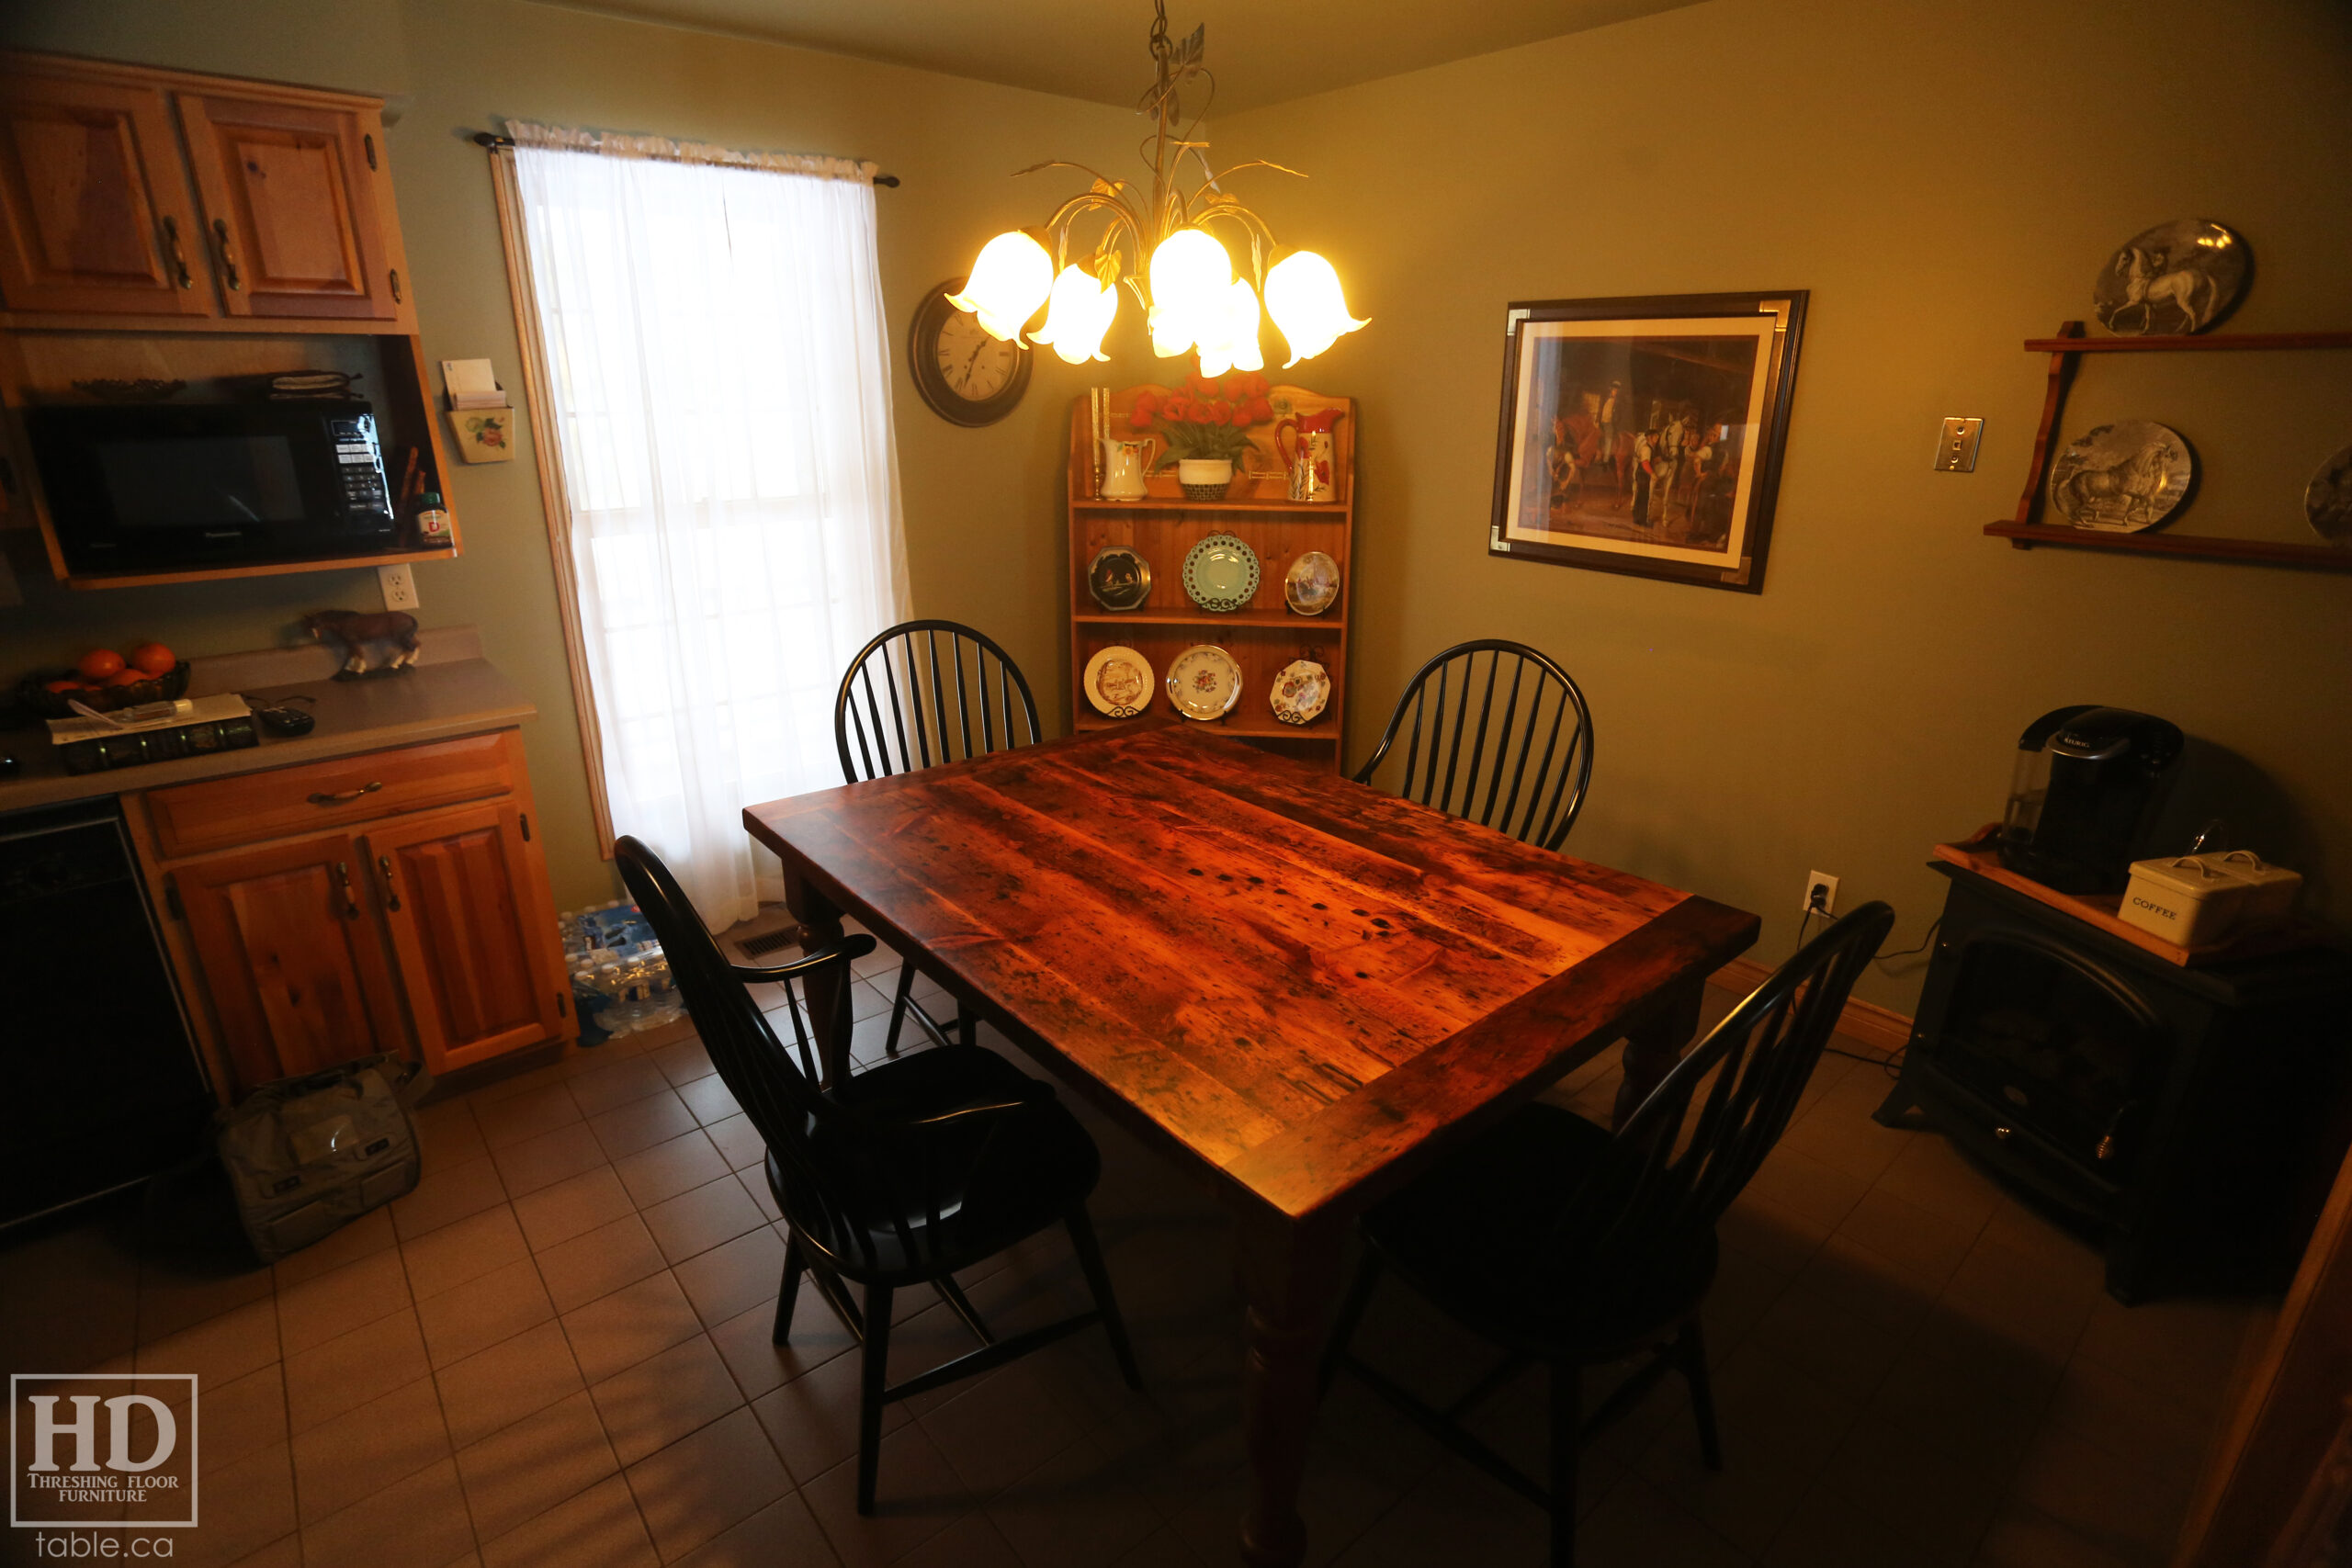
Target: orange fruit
{"type": "Point", "coordinates": [127, 677]}
{"type": "Point", "coordinates": [99, 663]}
{"type": "Point", "coordinates": [68, 685]}
{"type": "Point", "coordinates": [155, 659]}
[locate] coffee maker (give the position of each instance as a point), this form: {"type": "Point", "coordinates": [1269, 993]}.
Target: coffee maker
{"type": "Point", "coordinates": [2088, 782]}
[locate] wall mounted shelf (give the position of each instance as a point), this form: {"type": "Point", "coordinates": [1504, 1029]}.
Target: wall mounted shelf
{"type": "Point", "coordinates": [2065, 350]}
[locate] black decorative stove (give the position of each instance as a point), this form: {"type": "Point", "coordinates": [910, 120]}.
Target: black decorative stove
{"type": "Point", "coordinates": [2191, 1119]}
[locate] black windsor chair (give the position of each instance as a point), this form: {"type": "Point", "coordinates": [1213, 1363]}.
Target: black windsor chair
{"type": "Point", "coordinates": [907, 724]}
{"type": "Point", "coordinates": [1564, 1245]}
{"type": "Point", "coordinates": [900, 1175]}
{"type": "Point", "coordinates": [1540, 706]}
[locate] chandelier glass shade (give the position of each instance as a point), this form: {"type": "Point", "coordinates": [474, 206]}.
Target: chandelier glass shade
{"type": "Point", "coordinates": [1158, 242]}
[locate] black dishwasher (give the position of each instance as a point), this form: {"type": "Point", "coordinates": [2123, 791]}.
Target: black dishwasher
{"type": "Point", "coordinates": [99, 1086]}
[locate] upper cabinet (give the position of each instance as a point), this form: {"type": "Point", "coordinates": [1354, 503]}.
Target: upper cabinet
{"type": "Point", "coordinates": [289, 206]}
{"type": "Point", "coordinates": [126, 191]}
{"type": "Point", "coordinates": [97, 216]}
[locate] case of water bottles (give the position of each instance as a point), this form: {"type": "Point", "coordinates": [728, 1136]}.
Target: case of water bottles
{"type": "Point", "coordinates": [620, 982]}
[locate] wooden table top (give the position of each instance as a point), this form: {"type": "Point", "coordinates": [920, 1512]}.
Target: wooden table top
{"type": "Point", "coordinates": [1297, 979]}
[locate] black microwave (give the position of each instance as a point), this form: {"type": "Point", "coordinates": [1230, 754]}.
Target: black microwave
{"type": "Point", "coordinates": [135, 486]}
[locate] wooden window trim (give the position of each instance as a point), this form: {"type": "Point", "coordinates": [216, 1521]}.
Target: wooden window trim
{"type": "Point", "coordinates": [555, 501]}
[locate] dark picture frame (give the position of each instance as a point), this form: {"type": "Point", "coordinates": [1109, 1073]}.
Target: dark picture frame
{"type": "Point", "coordinates": [1644, 434]}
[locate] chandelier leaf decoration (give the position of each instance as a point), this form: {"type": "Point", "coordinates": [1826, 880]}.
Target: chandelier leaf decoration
{"type": "Point", "coordinates": [1158, 242]}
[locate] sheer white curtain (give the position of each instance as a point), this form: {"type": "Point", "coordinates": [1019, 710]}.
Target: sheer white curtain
{"type": "Point", "coordinates": [718, 371]}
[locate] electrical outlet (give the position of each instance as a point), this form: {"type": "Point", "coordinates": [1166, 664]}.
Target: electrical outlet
{"type": "Point", "coordinates": [1821, 893]}
{"type": "Point", "coordinates": [398, 584]}
{"type": "Point", "coordinates": [1956, 448]}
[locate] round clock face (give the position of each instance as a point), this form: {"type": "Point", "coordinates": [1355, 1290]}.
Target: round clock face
{"type": "Point", "coordinates": [966, 376]}
{"type": "Point", "coordinates": [974, 365]}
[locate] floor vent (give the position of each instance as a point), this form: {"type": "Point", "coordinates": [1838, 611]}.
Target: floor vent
{"type": "Point", "coordinates": [760, 946]}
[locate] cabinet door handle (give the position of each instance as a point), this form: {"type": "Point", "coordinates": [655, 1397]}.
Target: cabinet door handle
{"type": "Point", "coordinates": [391, 888]}
{"type": "Point", "coordinates": [350, 898]}
{"type": "Point", "coordinates": [171, 251]}
{"type": "Point", "coordinates": [228, 256]}
{"type": "Point", "coordinates": [368, 142]}
{"type": "Point", "coordinates": [396, 285]}
{"type": "Point", "coordinates": [339, 796]}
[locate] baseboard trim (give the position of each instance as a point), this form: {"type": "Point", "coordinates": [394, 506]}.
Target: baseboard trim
{"type": "Point", "coordinates": [1883, 1030]}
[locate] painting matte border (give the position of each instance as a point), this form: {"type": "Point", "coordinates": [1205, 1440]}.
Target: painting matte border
{"type": "Point", "coordinates": [1760, 481]}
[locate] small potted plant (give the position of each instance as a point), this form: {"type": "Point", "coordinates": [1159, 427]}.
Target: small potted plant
{"type": "Point", "coordinates": [1204, 428]}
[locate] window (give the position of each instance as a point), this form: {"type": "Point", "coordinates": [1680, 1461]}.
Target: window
{"type": "Point", "coordinates": [713, 369]}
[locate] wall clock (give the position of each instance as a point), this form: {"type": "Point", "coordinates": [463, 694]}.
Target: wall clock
{"type": "Point", "coordinates": [966, 376]}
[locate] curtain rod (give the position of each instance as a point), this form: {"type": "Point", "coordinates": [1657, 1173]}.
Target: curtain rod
{"type": "Point", "coordinates": [492, 140]}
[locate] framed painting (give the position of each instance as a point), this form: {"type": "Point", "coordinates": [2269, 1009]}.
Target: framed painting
{"type": "Point", "coordinates": [1644, 435]}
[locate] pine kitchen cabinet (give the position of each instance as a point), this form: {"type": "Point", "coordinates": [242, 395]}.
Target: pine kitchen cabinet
{"type": "Point", "coordinates": [419, 922]}
{"type": "Point", "coordinates": [128, 192]}
{"type": "Point", "coordinates": [95, 216]}
{"type": "Point", "coordinates": [211, 232]}
{"type": "Point", "coordinates": [377, 884]}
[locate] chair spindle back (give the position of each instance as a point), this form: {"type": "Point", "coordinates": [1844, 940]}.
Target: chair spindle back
{"type": "Point", "coordinates": [1520, 764]}
{"type": "Point", "coordinates": [929, 692]}
{"type": "Point", "coordinates": [1668, 1180]}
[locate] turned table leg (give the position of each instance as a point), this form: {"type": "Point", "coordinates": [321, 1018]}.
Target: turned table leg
{"type": "Point", "coordinates": [1655, 1045]}
{"type": "Point", "coordinates": [827, 990]}
{"type": "Point", "coordinates": [1289, 1271]}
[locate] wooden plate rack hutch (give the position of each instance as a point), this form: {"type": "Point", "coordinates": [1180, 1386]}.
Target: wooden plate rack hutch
{"type": "Point", "coordinates": [162, 224]}
{"type": "Point", "coordinates": [1264, 635]}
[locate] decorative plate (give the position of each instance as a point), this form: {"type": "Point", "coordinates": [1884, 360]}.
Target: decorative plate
{"type": "Point", "coordinates": [1221, 573]}
{"type": "Point", "coordinates": [2327, 500]}
{"type": "Point", "coordinates": [2180, 276]}
{"type": "Point", "coordinates": [1118, 578]}
{"type": "Point", "coordinates": [1118, 683]}
{"type": "Point", "coordinates": [1312, 583]}
{"type": "Point", "coordinates": [1204, 682]}
{"type": "Point", "coordinates": [2121, 477]}
{"type": "Point", "coordinates": [1300, 692]}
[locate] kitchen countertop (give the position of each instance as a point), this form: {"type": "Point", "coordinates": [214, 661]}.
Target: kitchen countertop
{"type": "Point", "coordinates": [451, 691]}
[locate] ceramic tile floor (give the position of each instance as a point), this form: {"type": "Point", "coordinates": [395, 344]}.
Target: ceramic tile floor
{"type": "Point", "coordinates": [556, 1352]}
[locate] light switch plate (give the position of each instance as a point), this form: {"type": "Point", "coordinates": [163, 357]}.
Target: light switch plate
{"type": "Point", "coordinates": [1956, 449]}
{"type": "Point", "coordinates": [398, 584]}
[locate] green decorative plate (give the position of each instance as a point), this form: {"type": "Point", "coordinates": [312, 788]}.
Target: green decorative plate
{"type": "Point", "coordinates": [1221, 573]}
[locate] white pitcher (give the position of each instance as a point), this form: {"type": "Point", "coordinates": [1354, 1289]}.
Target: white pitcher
{"type": "Point", "coordinates": [1124, 463]}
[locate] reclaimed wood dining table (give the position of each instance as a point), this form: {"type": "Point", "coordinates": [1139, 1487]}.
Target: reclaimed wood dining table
{"type": "Point", "coordinates": [1299, 988]}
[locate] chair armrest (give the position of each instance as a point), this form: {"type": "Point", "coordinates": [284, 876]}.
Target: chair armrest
{"type": "Point", "coordinates": [1035, 1095]}
{"type": "Point", "coordinates": [856, 945]}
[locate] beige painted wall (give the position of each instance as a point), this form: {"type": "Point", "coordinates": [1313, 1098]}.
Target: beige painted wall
{"type": "Point", "coordinates": [1945, 190]}
{"type": "Point", "coordinates": [982, 507]}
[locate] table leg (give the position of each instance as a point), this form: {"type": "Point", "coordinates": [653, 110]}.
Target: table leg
{"type": "Point", "coordinates": [827, 991]}
{"type": "Point", "coordinates": [1289, 1272]}
{"type": "Point", "coordinates": [1653, 1049]}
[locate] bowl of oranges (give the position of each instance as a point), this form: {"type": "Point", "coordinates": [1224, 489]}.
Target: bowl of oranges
{"type": "Point", "coordinates": [104, 680]}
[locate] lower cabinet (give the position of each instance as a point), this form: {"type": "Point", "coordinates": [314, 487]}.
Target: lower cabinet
{"type": "Point", "coordinates": [292, 956]}
{"type": "Point", "coordinates": [409, 925]}
{"type": "Point", "coordinates": [455, 889]}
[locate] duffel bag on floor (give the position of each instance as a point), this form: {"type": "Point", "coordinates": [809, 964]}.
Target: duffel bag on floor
{"type": "Point", "coordinates": [307, 1155]}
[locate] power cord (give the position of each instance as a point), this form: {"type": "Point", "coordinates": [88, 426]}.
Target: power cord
{"type": "Point", "coordinates": [1892, 1065]}
{"type": "Point", "coordinates": [1907, 952]}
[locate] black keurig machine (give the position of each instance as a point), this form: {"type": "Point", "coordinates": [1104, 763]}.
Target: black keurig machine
{"type": "Point", "coordinates": [2089, 780]}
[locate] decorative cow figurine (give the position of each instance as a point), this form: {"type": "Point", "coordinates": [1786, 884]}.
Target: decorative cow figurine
{"type": "Point", "coordinates": [357, 632]}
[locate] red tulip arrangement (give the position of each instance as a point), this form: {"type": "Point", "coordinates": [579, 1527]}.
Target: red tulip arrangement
{"type": "Point", "coordinates": [1206, 417]}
